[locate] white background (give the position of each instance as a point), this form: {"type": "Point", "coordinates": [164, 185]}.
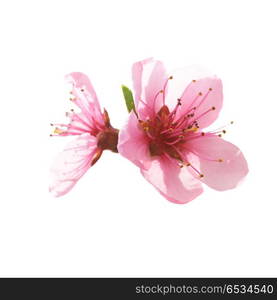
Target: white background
{"type": "Point", "coordinates": [113, 223]}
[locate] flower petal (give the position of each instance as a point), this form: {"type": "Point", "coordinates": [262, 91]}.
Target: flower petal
{"type": "Point", "coordinates": [149, 77]}
{"type": "Point", "coordinates": [174, 183]}
{"type": "Point", "coordinates": [72, 163]}
{"type": "Point", "coordinates": [219, 175]}
{"type": "Point", "coordinates": [80, 124]}
{"type": "Point", "coordinates": [133, 144]}
{"type": "Point", "coordinates": [186, 85]}
{"type": "Point", "coordinates": [85, 97]}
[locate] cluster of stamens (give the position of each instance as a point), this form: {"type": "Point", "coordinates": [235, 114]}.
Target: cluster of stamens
{"type": "Point", "coordinates": [168, 132]}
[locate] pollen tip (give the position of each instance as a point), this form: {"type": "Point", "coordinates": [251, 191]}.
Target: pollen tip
{"type": "Point", "coordinates": [202, 133]}
{"type": "Point", "coordinates": [224, 131]}
{"type": "Point", "coordinates": [193, 80]}
{"type": "Point", "coordinates": [220, 135]}
{"type": "Point", "coordinates": [210, 89]}
{"type": "Point", "coordinates": [188, 164]}
{"type": "Point", "coordinates": [58, 130]}
{"type": "Point", "coordinates": [181, 166]}
{"type": "Point", "coordinates": [82, 90]}
{"type": "Point", "coordinates": [161, 91]}
{"type": "Point", "coordinates": [220, 160]}
{"type": "Point", "coordinates": [170, 77]}
{"type": "Point", "coordinates": [200, 94]}
{"type": "Point", "coordinates": [232, 122]}
{"type": "Point", "coordinates": [201, 175]}
{"type": "Point", "coordinates": [213, 108]}
{"type": "Point", "coordinates": [51, 124]}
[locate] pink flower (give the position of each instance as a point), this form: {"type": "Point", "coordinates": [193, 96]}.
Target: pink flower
{"type": "Point", "coordinates": [164, 136]}
{"type": "Point", "coordinates": [93, 132]}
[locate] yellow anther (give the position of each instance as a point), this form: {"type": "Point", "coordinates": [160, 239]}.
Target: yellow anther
{"type": "Point", "coordinates": [194, 129]}
{"type": "Point", "coordinates": [58, 130]}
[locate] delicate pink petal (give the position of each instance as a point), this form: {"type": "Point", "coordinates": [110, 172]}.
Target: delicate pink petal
{"type": "Point", "coordinates": [219, 175]}
{"type": "Point", "coordinates": [72, 163]}
{"type": "Point", "coordinates": [85, 97]}
{"type": "Point", "coordinates": [183, 87]}
{"type": "Point", "coordinates": [149, 77]}
{"type": "Point", "coordinates": [133, 143]}
{"type": "Point", "coordinates": [174, 183]}
{"type": "Point", "coordinates": [206, 95]}
{"type": "Point", "coordinates": [182, 77]}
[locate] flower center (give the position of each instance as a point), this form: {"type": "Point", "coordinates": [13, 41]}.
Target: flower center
{"type": "Point", "coordinates": [168, 132]}
{"type": "Point", "coordinates": [167, 136]}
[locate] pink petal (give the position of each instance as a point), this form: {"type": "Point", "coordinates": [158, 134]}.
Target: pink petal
{"type": "Point", "coordinates": [85, 97]}
{"type": "Point", "coordinates": [182, 87]}
{"type": "Point", "coordinates": [219, 175]}
{"type": "Point", "coordinates": [174, 183]}
{"type": "Point", "coordinates": [72, 164]}
{"type": "Point", "coordinates": [149, 77]}
{"type": "Point", "coordinates": [133, 144]}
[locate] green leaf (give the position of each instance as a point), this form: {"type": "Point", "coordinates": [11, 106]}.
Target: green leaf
{"type": "Point", "coordinates": [129, 99]}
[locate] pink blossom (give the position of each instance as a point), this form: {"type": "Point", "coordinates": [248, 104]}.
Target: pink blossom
{"type": "Point", "coordinates": [164, 136]}
{"type": "Point", "coordinates": [93, 132]}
